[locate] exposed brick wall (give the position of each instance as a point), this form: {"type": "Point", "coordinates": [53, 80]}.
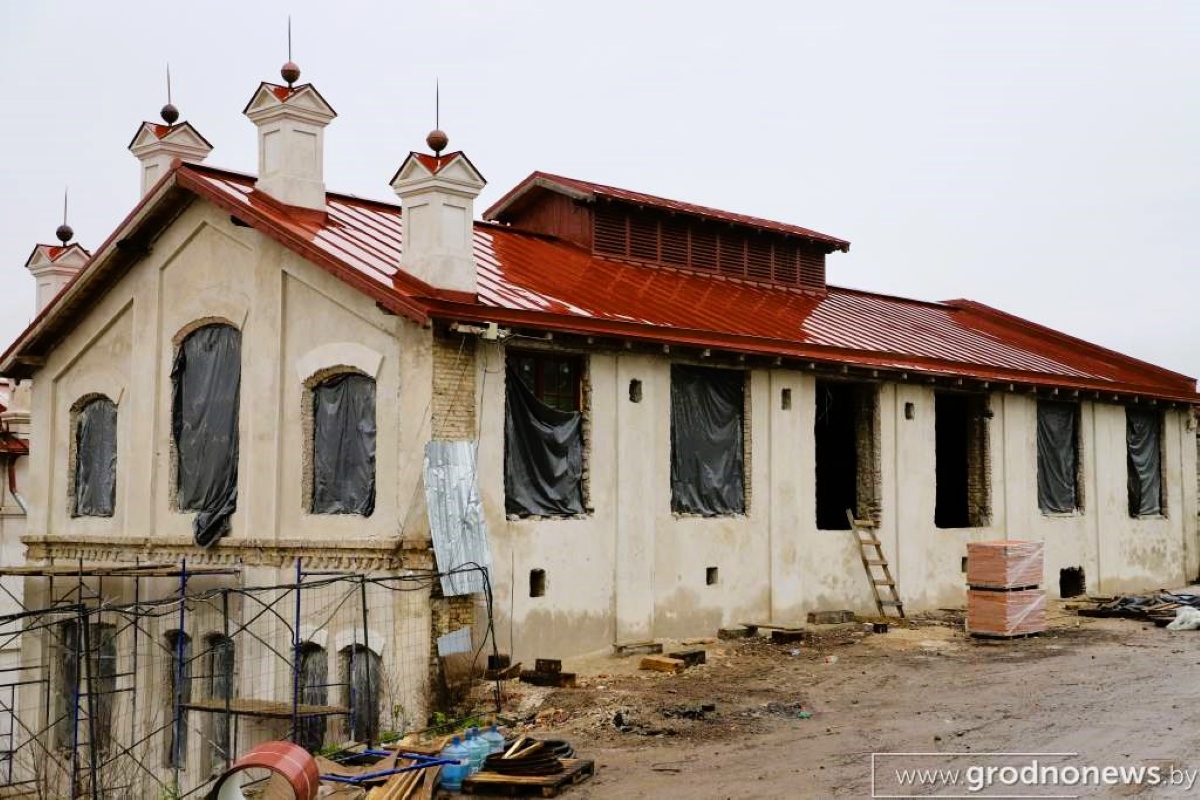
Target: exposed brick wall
{"type": "Point", "coordinates": [747, 442]}
{"type": "Point", "coordinates": [979, 463]}
{"type": "Point", "coordinates": [869, 453]}
{"type": "Point", "coordinates": [453, 412]}
{"type": "Point", "coordinates": [446, 614]}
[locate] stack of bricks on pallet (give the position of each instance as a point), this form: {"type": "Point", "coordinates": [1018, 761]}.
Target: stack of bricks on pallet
{"type": "Point", "coordinates": [1004, 598]}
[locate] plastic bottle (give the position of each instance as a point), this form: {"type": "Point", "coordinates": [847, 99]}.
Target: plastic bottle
{"type": "Point", "coordinates": [495, 739]}
{"type": "Point", "coordinates": [477, 748]}
{"type": "Point", "coordinates": [453, 774]}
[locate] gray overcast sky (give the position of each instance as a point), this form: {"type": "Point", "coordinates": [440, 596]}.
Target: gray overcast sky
{"type": "Point", "coordinates": [1035, 156]}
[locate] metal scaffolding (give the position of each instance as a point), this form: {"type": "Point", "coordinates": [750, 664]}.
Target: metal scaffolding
{"type": "Point", "coordinates": [149, 679]}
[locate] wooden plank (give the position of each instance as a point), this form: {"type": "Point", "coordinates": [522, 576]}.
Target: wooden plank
{"type": "Point", "coordinates": [662, 664]}
{"type": "Point", "coordinates": [575, 771]}
{"type": "Point", "coordinates": [429, 787]}
{"type": "Point", "coordinates": [753, 627]}
{"type": "Point", "coordinates": [263, 708]}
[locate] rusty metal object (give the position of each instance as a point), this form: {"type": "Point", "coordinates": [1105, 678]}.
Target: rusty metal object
{"type": "Point", "coordinates": [293, 769]}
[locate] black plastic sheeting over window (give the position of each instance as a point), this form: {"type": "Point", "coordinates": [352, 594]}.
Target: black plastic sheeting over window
{"type": "Point", "coordinates": [314, 690]}
{"type": "Point", "coordinates": [707, 454]}
{"type": "Point", "coordinates": [543, 455]}
{"type": "Point", "coordinates": [96, 459]}
{"type": "Point", "coordinates": [1057, 456]}
{"type": "Point", "coordinates": [1143, 434]}
{"type": "Point", "coordinates": [206, 381]}
{"type": "Point", "coordinates": [344, 446]}
{"type": "Point", "coordinates": [362, 669]}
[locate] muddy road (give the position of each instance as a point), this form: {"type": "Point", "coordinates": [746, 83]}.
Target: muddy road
{"type": "Point", "coordinates": [763, 721]}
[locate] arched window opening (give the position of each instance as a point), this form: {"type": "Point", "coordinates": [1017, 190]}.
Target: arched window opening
{"type": "Point", "coordinates": [361, 672]}
{"type": "Point", "coordinates": [206, 384]}
{"type": "Point", "coordinates": [314, 691]}
{"type": "Point", "coordinates": [179, 693]}
{"type": "Point", "coordinates": [95, 488]}
{"type": "Point", "coordinates": [343, 445]}
{"type": "Point", "coordinates": [218, 686]}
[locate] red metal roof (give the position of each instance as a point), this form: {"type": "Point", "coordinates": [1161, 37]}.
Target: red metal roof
{"type": "Point", "coordinates": [591, 191]}
{"type": "Point", "coordinates": [534, 281]}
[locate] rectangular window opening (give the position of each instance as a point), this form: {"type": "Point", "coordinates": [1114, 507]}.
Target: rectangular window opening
{"type": "Point", "coordinates": [343, 445]}
{"type": "Point", "coordinates": [785, 399]}
{"type": "Point", "coordinates": [708, 441]}
{"type": "Point", "coordinates": [1144, 454]}
{"type": "Point", "coordinates": [846, 439]}
{"type": "Point", "coordinates": [962, 461]}
{"type": "Point", "coordinates": [544, 435]}
{"type": "Point", "coordinates": [1058, 461]}
{"type": "Point", "coordinates": [710, 576]}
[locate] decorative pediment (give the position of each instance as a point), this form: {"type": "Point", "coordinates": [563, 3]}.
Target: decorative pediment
{"type": "Point", "coordinates": [72, 256]}
{"type": "Point", "coordinates": [303, 101]}
{"type": "Point", "coordinates": [180, 138]}
{"type": "Point", "coordinates": [452, 170]}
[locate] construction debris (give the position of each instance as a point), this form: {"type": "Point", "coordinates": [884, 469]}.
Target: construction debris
{"type": "Point", "coordinates": [692, 657]}
{"type": "Point", "coordinates": [638, 648]}
{"type": "Point", "coordinates": [830, 617]}
{"type": "Point", "coordinates": [561, 680]}
{"type": "Point", "coordinates": [1158, 607]}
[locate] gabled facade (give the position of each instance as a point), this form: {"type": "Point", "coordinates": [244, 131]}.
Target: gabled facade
{"type": "Point", "coordinates": [672, 409]}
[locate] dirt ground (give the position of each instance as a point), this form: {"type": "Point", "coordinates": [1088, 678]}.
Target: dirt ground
{"type": "Point", "coordinates": [801, 720]}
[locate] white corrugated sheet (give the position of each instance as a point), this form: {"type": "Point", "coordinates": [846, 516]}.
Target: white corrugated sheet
{"type": "Point", "coordinates": [456, 523]}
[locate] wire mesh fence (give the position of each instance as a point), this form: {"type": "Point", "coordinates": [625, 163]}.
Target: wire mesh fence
{"type": "Point", "coordinates": [149, 684]}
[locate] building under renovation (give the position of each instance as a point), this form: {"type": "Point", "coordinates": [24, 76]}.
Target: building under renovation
{"type": "Point", "coordinates": [667, 414]}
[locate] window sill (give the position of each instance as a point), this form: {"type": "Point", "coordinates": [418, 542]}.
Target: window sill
{"type": "Point", "coordinates": [1149, 517]}
{"type": "Point", "coordinates": [1063, 514]}
{"type": "Point", "coordinates": [687, 515]}
{"type": "Point", "coordinates": [535, 518]}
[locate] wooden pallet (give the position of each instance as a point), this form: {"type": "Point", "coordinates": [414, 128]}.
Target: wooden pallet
{"type": "Point", "coordinates": [865, 534]}
{"type": "Point", "coordinates": [576, 770]}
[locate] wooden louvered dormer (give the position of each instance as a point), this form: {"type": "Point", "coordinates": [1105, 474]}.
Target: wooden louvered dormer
{"type": "Point", "coordinates": [681, 241]}
{"type": "Point", "coordinates": [618, 224]}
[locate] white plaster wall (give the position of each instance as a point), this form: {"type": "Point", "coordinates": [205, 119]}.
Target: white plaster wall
{"type": "Point", "coordinates": [292, 315]}
{"type": "Point", "coordinates": [631, 570]}
{"type": "Point", "coordinates": [580, 556]}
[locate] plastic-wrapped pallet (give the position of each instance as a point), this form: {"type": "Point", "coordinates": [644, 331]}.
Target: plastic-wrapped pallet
{"type": "Point", "coordinates": [1004, 564]}
{"type": "Point", "coordinates": [1018, 612]}
{"type": "Point", "coordinates": [1004, 598]}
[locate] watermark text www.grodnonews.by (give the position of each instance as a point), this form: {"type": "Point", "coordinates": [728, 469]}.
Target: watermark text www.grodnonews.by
{"type": "Point", "coordinates": [1049, 775]}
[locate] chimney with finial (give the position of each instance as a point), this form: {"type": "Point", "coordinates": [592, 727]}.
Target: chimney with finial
{"type": "Point", "coordinates": [53, 266]}
{"type": "Point", "coordinates": [156, 146]}
{"type": "Point", "coordinates": [291, 124]}
{"type": "Point", "coordinates": [437, 193]}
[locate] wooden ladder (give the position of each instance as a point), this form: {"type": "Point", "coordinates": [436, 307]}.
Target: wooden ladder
{"type": "Point", "coordinates": [864, 533]}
